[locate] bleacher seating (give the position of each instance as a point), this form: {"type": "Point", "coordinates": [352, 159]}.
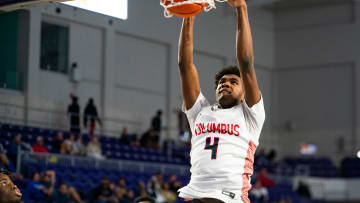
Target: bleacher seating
{"type": "Point", "coordinates": [111, 146]}
{"type": "Point", "coordinates": [318, 167]}
{"type": "Point", "coordinates": [350, 167]}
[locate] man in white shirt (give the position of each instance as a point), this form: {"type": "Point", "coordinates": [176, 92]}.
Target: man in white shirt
{"type": "Point", "coordinates": [226, 134]}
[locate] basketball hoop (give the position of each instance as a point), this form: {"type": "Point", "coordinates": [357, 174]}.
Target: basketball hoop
{"type": "Point", "coordinates": [187, 7]}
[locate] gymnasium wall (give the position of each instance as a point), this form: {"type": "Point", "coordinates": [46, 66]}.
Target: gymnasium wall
{"type": "Point", "coordinates": [129, 66]}
{"type": "Point", "coordinates": [317, 78]}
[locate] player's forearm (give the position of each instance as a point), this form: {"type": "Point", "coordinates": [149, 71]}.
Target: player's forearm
{"type": "Point", "coordinates": [244, 44]}
{"type": "Point", "coordinates": [186, 43]}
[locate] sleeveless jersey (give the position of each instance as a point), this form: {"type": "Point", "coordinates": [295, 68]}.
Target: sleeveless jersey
{"type": "Point", "coordinates": [223, 144]}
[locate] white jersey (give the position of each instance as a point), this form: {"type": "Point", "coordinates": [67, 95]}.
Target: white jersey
{"type": "Point", "coordinates": [223, 144]}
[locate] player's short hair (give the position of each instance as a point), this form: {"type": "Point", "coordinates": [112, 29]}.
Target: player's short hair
{"type": "Point", "coordinates": [226, 71]}
{"type": "Point", "coordinates": [143, 199]}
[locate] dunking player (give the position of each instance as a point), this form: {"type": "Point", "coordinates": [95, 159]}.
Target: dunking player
{"type": "Point", "coordinates": [9, 193]}
{"type": "Point", "coordinates": [226, 134]}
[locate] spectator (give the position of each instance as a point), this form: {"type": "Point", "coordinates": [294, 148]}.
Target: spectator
{"type": "Point", "coordinates": [8, 190]}
{"type": "Point", "coordinates": [62, 195]}
{"type": "Point", "coordinates": [93, 148]}
{"type": "Point", "coordinates": [174, 184]}
{"type": "Point", "coordinates": [42, 187]}
{"type": "Point", "coordinates": [128, 139]}
{"type": "Point", "coordinates": [71, 139]}
{"type": "Point", "coordinates": [261, 159]}
{"type": "Point", "coordinates": [66, 147]}
{"type": "Point", "coordinates": [155, 187]}
{"type": "Point", "coordinates": [144, 200]}
{"type": "Point", "coordinates": [57, 143]}
{"type": "Point", "coordinates": [74, 115]}
{"type": "Point", "coordinates": [264, 178]}
{"type": "Point", "coordinates": [129, 196]}
{"type": "Point", "coordinates": [169, 196]}
{"type": "Point", "coordinates": [156, 125]}
{"type": "Point", "coordinates": [65, 194]}
{"type": "Point", "coordinates": [90, 113]}
{"type": "Point", "coordinates": [147, 139]}
{"type": "Point", "coordinates": [303, 190]}
{"type": "Point", "coordinates": [78, 148]}
{"type": "Point", "coordinates": [104, 192]}
{"type": "Point", "coordinates": [156, 122]}
{"type": "Point", "coordinates": [5, 163]}
{"type": "Point", "coordinates": [32, 191]}
{"type": "Point", "coordinates": [121, 182]}
{"type": "Point", "coordinates": [259, 192]}
{"type": "Point", "coordinates": [39, 146]}
{"type": "Point", "coordinates": [15, 146]}
{"type": "Point", "coordinates": [120, 193]}
{"type": "Point", "coordinates": [271, 156]}
{"type": "Point", "coordinates": [141, 190]}
{"type": "Point", "coordinates": [124, 137]}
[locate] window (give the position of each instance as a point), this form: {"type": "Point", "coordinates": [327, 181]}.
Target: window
{"type": "Point", "coordinates": [54, 47]}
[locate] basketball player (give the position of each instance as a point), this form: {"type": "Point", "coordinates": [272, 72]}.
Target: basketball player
{"type": "Point", "coordinates": [226, 134]}
{"type": "Point", "coordinates": [9, 193]}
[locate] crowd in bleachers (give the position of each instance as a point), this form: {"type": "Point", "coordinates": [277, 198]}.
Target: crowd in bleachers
{"type": "Point", "coordinates": [56, 184]}
{"type": "Point", "coordinates": [51, 185]}
{"type": "Point", "coordinates": [102, 185]}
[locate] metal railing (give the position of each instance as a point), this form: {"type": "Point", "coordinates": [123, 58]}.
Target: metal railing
{"type": "Point", "coordinates": [26, 158]}
{"type": "Point", "coordinates": [12, 113]}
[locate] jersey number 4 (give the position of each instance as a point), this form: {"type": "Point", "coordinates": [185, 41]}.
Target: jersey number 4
{"type": "Point", "coordinates": [213, 147]}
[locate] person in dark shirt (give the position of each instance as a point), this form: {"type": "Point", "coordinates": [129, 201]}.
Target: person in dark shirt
{"type": "Point", "coordinates": [15, 146]}
{"type": "Point", "coordinates": [91, 114]}
{"type": "Point", "coordinates": [156, 126]}
{"type": "Point", "coordinates": [104, 193]}
{"type": "Point", "coordinates": [303, 190]}
{"type": "Point", "coordinates": [74, 115]}
{"type": "Point", "coordinates": [174, 184]}
{"type": "Point", "coordinates": [147, 139]}
{"type": "Point", "coordinates": [58, 142]}
{"type": "Point", "coordinates": [156, 121]}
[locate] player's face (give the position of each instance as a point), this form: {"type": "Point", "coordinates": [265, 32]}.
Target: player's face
{"type": "Point", "coordinates": [9, 193]}
{"type": "Point", "coordinates": [230, 91]}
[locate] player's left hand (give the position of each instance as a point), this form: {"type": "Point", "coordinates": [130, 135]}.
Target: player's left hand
{"type": "Point", "coordinates": [236, 3]}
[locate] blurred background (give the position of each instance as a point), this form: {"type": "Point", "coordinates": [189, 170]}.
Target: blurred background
{"type": "Point", "coordinates": [91, 101]}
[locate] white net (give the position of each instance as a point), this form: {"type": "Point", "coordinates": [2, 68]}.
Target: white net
{"type": "Point", "coordinates": [210, 4]}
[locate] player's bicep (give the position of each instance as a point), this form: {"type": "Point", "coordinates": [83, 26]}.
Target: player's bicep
{"type": "Point", "coordinates": [190, 84]}
{"type": "Point", "coordinates": [252, 91]}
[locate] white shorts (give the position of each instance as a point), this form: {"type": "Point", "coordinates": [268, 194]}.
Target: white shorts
{"type": "Point", "coordinates": [225, 196]}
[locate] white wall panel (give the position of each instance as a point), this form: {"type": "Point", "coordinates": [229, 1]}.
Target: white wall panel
{"type": "Point", "coordinates": [140, 64]}
{"type": "Point", "coordinates": [299, 17]}
{"type": "Point", "coordinates": [317, 98]}
{"type": "Point", "coordinates": [86, 49]}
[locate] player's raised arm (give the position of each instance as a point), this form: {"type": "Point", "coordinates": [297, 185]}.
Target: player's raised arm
{"type": "Point", "coordinates": [245, 52]}
{"type": "Point", "coordinates": [188, 74]}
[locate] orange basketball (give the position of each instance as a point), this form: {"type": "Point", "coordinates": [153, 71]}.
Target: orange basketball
{"type": "Point", "coordinates": [185, 10]}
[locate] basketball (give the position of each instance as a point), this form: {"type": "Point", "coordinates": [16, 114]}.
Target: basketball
{"type": "Point", "coordinates": [184, 10]}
